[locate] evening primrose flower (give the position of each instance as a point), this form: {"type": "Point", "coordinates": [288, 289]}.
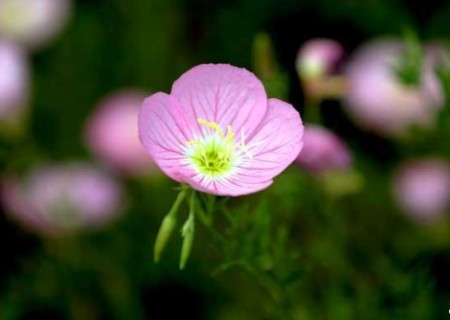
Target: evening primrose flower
{"type": "Point", "coordinates": [218, 132]}
{"type": "Point", "coordinates": [111, 133]}
{"type": "Point", "coordinates": [32, 23]}
{"type": "Point", "coordinates": [61, 199]}
{"type": "Point", "coordinates": [378, 99]}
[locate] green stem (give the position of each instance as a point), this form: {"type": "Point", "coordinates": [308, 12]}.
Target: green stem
{"type": "Point", "coordinates": [312, 110]}
{"type": "Point", "coordinates": [180, 198]}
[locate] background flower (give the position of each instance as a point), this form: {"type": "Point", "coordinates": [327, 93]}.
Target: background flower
{"type": "Point", "coordinates": [379, 101]}
{"type": "Point", "coordinates": [323, 151]}
{"type": "Point", "coordinates": [422, 189]}
{"type": "Point", "coordinates": [60, 199]}
{"type": "Point", "coordinates": [111, 133]}
{"type": "Point", "coordinates": [32, 23]}
{"type": "Point", "coordinates": [318, 58]}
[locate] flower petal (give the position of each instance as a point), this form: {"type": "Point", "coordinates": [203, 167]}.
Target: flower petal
{"type": "Point", "coordinates": [275, 144]}
{"type": "Point", "coordinates": [238, 185]}
{"type": "Point", "coordinates": [223, 94]}
{"type": "Point", "coordinates": [164, 131]}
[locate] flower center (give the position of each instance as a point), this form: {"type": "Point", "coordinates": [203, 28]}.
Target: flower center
{"type": "Point", "coordinates": [217, 154]}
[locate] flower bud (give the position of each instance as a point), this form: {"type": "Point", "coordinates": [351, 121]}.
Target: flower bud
{"type": "Point", "coordinates": [187, 232]}
{"type": "Point", "coordinates": [318, 58]}
{"type": "Point", "coordinates": [266, 67]}
{"type": "Point", "coordinates": [165, 232]}
{"type": "Point", "coordinates": [168, 225]}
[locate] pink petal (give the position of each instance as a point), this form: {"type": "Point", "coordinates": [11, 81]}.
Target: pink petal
{"type": "Point", "coordinates": [223, 94]}
{"type": "Point", "coordinates": [238, 185]}
{"type": "Point", "coordinates": [276, 143]}
{"type": "Point", "coordinates": [164, 129]}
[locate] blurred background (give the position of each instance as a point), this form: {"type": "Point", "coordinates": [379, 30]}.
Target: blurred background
{"type": "Point", "coordinates": [357, 228]}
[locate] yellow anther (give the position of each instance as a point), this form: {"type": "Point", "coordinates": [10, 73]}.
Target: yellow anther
{"type": "Point", "coordinates": [230, 134]}
{"type": "Point", "coordinates": [213, 125]}
{"type": "Point", "coordinates": [192, 142]}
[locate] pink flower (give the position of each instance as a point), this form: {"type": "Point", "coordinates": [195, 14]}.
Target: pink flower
{"type": "Point", "coordinates": [13, 81]}
{"type": "Point", "coordinates": [323, 151]}
{"type": "Point", "coordinates": [318, 57]}
{"type": "Point", "coordinates": [379, 101]}
{"type": "Point", "coordinates": [218, 132]}
{"type": "Point", "coordinates": [112, 134]}
{"type": "Point", "coordinates": [62, 198]}
{"type": "Point", "coordinates": [32, 23]}
{"type": "Point", "coordinates": [422, 189]}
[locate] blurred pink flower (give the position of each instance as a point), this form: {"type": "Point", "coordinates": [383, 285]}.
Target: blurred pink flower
{"type": "Point", "coordinates": [112, 135]}
{"type": "Point", "coordinates": [323, 151]}
{"type": "Point", "coordinates": [379, 101]}
{"type": "Point", "coordinates": [32, 23]}
{"type": "Point", "coordinates": [318, 57]}
{"type": "Point", "coordinates": [13, 81]}
{"type": "Point", "coordinates": [422, 189]}
{"type": "Point", "coordinates": [61, 199]}
{"type": "Point", "coordinates": [218, 132]}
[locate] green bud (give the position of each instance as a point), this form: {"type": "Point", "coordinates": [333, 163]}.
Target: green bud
{"type": "Point", "coordinates": [188, 239]}
{"type": "Point", "coordinates": [266, 67]}
{"type": "Point", "coordinates": [264, 63]}
{"type": "Point", "coordinates": [168, 225]}
{"type": "Point", "coordinates": [187, 232]}
{"type": "Point", "coordinates": [165, 231]}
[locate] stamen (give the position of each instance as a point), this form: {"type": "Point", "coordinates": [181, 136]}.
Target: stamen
{"type": "Point", "coordinates": [211, 124]}
{"type": "Point", "coordinates": [192, 142]}
{"type": "Point", "coordinates": [216, 155]}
